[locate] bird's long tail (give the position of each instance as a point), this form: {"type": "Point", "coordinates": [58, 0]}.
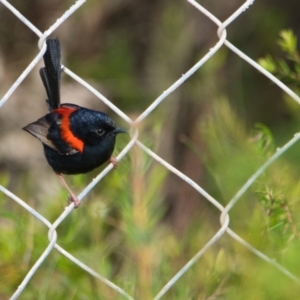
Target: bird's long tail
{"type": "Point", "coordinates": [51, 73]}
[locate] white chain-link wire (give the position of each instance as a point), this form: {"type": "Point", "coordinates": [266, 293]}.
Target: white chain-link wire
{"type": "Point", "coordinates": [224, 215]}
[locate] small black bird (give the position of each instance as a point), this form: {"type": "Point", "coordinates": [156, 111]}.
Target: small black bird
{"type": "Point", "coordinates": [75, 139]}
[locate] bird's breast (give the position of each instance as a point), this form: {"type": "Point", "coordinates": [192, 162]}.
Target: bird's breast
{"type": "Point", "coordinates": [93, 156]}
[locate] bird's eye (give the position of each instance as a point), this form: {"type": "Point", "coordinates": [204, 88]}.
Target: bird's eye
{"type": "Point", "coordinates": [100, 131]}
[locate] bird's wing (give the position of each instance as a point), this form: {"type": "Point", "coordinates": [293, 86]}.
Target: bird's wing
{"type": "Point", "coordinates": [51, 73]}
{"type": "Point", "coordinates": [48, 130]}
{"type": "Point", "coordinates": [39, 129]}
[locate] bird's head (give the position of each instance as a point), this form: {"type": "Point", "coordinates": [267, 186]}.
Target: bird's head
{"type": "Point", "coordinates": [93, 127]}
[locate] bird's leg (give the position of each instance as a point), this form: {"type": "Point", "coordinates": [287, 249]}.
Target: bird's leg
{"type": "Point", "coordinates": [114, 162]}
{"type": "Point", "coordinates": [72, 197]}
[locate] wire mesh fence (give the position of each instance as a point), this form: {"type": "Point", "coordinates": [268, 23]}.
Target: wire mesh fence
{"type": "Point", "coordinates": [134, 124]}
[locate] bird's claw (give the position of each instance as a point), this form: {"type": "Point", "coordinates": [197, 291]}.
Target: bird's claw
{"type": "Point", "coordinates": [114, 162]}
{"type": "Point", "coordinates": [73, 199]}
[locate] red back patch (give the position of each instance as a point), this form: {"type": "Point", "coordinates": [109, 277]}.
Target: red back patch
{"type": "Point", "coordinates": [66, 133]}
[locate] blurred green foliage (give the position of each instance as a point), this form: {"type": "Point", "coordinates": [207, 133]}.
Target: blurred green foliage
{"type": "Point", "coordinates": [119, 232]}
{"type": "Point", "coordinates": [122, 228]}
{"type": "Point", "coordinates": [287, 68]}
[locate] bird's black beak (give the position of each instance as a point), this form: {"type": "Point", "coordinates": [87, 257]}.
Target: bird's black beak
{"type": "Point", "coordinates": [120, 130]}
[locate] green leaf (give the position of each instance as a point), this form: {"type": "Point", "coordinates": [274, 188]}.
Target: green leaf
{"type": "Point", "coordinates": [268, 63]}
{"type": "Point", "coordinates": [287, 41]}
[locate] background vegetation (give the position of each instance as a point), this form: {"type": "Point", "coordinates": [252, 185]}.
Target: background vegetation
{"type": "Point", "coordinates": [141, 224]}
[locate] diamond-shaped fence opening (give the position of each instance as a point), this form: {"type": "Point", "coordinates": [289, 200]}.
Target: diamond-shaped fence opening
{"type": "Point", "coordinates": [224, 228]}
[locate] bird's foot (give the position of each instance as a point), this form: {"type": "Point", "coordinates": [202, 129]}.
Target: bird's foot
{"type": "Point", "coordinates": [114, 162]}
{"type": "Point", "coordinates": [73, 199]}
